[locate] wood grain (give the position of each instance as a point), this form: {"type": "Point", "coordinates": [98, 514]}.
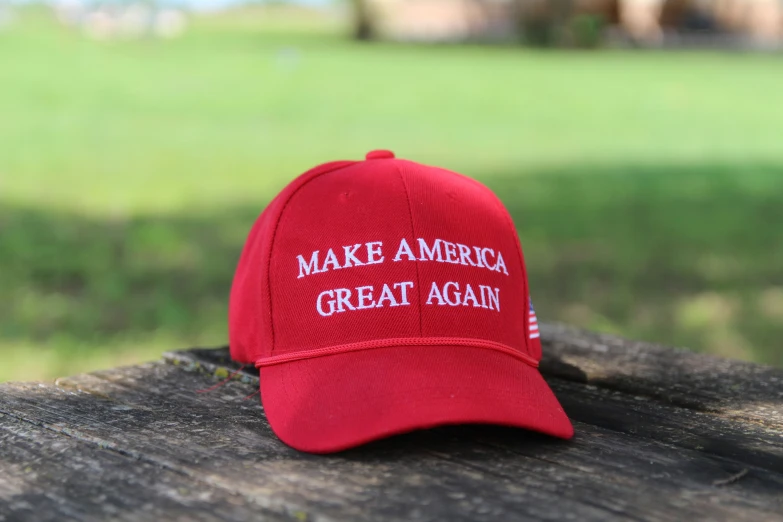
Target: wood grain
{"type": "Point", "coordinates": [47, 476]}
{"type": "Point", "coordinates": [661, 435]}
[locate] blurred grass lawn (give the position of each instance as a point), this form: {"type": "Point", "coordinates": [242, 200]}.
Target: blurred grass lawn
{"type": "Point", "coordinates": [647, 187]}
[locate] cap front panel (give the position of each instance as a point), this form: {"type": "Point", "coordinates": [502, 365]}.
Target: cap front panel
{"type": "Point", "coordinates": [333, 280]}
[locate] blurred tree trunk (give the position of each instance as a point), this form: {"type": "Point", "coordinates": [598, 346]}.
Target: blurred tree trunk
{"type": "Point", "coordinates": [362, 20]}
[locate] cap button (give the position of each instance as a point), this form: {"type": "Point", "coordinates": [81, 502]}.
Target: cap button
{"type": "Point", "coordinates": [379, 154]}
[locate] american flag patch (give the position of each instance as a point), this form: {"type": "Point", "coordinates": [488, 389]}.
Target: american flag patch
{"type": "Point", "coordinates": [533, 323]}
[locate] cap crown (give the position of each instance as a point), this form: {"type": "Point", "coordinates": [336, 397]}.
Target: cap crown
{"type": "Point", "coordinates": [383, 249]}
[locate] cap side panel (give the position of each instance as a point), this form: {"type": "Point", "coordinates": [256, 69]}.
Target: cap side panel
{"type": "Point", "coordinates": [243, 321]}
{"type": "Point", "coordinates": [294, 188]}
{"type": "Point", "coordinates": [532, 348]}
{"type": "Point", "coordinates": [529, 347]}
{"type": "Point", "coordinates": [473, 281]}
{"type": "Point", "coordinates": [250, 324]}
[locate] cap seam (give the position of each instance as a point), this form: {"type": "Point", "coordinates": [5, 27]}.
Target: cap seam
{"type": "Point", "coordinates": [520, 257]}
{"type": "Point", "coordinates": [413, 232]}
{"type": "Point", "coordinates": [274, 236]}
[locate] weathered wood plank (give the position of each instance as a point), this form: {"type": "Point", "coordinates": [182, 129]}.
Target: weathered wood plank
{"type": "Point", "coordinates": [730, 388]}
{"type": "Point", "coordinates": [646, 416]}
{"type": "Point", "coordinates": [694, 381]}
{"type": "Point", "coordinates": [223, 449]}
{"type": "Point", "coordinates": [742, 441]}
{"type": "Point", "coordinates": [613, 398]}
{"type": "Point", "coordinates": [45, 476]}
{"type": "Point", "coordinates": [661, 435]}
{"type": "Point", "coordinates": [460, 473]}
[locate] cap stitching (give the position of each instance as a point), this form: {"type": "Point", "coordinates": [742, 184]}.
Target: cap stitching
{"type": "Point", "coordinates": [400, 342]}
{"type": "Point", "coordinates": [337, 166]}
{"type": "Point", "coordinates": [413, 231]}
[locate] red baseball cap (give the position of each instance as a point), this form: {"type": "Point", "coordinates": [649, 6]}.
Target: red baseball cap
{"type": "Point", "coordinates": [382, 296]}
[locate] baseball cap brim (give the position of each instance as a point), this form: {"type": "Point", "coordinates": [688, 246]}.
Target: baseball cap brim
{"type": "Point", "coordinates": [336, 402]}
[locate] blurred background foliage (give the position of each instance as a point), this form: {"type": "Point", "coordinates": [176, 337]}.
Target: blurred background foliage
{"type": "Point", "coordinates": [646, 185]}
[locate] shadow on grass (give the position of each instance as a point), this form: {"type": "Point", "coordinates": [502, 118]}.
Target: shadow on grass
{"type": "Point", "coordinates": [689, 256]}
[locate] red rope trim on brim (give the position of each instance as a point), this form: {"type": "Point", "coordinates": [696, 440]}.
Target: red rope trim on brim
{"type": "Point", "coordinates": [388, 343]}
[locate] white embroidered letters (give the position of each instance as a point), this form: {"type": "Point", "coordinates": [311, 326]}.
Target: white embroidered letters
{"type": "Point", "coordinates": [423, 248]}
{"type": "Point", "coordinates": [404, 249]}
{"type": "Point", "coordinates": [390, 295]}
{"type": "Point", "coordinates": [320, 302]}
{"type": "Point", "coordinates": [373, 251]}
{"type": "Point", "coordinates": [306, 268]}
{"type": "Point", "coordinates": [350, 257]}
{"type": "Point", "coordinates": [361, 298]}
{"type": "Point", "coordinates": [451, 295]}
{"type": "Point", "coordinates": [331, 259]}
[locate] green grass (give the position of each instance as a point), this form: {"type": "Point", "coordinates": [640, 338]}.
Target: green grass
{"type": "Point", "coordinates": [647, 187]}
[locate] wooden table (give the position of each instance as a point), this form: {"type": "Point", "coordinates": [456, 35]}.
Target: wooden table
{"type": "Point", "coordinates": [660, 435]}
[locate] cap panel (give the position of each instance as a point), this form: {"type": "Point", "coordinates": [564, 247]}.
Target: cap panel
{"type": "Point", "coordinates": [473, 282]}
{"type": "Point", "coordinates": [249, 311]}
{"type": "Point", "coordinates": [245, 307]}
{"type": "Point", "coordinates": [332, 276]}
